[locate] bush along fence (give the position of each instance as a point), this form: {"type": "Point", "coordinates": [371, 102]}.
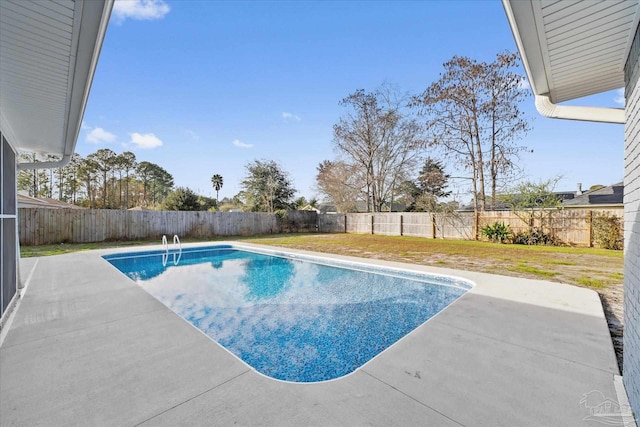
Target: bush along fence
{"type": "Point", "coordinates": [38, 226]}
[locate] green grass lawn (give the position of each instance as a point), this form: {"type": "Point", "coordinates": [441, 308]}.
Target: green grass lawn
{"type": "Point", "coordinates": [589, 267]}
{"type": "Point", "coordinates": [570, 265]}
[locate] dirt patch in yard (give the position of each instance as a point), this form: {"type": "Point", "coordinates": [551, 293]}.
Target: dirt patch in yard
{"type": "Point", "coordinates": [613, 304]}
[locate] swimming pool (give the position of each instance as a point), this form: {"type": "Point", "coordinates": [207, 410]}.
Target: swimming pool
{"type": "Point", "coordinates": [291, 317]}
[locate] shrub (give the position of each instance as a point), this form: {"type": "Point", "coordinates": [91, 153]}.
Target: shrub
{"type": "Point", "coordinates": [536, 236]}
{"type": "Point", "coordinates": [286, 224]}
{"type": "Point", "coordinates": [607, 231]}
{"type": "Point", "coordinates": [281, 215]}
{"type": "Point", "coordinates": [497, 232]}
{"type": "Point", "coordinates": [182, 199]}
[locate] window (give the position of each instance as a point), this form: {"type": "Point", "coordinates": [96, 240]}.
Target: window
{"type": "Point", "coordinates": [8, 241]}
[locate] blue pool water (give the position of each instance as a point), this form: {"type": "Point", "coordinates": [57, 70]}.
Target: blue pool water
{"type": "Point", "coordinates": [291, 319]}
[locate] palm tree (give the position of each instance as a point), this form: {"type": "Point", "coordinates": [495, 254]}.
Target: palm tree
{"type": "Point", "coordinates": [217, 181]}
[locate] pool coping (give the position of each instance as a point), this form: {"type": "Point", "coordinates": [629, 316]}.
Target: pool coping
{"type": "Point", "coordinates": [498, 348]}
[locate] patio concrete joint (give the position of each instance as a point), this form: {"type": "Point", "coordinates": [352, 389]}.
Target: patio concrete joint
{"type": "Point", "coordinates": [194, 397]}
{"type": "Point", "coordinates": [410, 397]}
{"type": "Point", "coordinates": [533, 350]}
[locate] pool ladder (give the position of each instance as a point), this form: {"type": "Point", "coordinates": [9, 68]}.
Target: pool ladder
{"type": "Point", "coordinates": [178, 251]}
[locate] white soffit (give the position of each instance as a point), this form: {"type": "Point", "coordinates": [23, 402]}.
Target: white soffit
{"type": "Point", "coordinates": [573, 48]}
{"type": "Point", "coordinates": [48, 53]}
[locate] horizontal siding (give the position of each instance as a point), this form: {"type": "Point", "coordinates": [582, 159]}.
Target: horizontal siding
{"type": "Point", "coordinates": [631, 368]}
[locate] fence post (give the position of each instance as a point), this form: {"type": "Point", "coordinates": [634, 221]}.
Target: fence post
{"type": "Point", "coordinates": [590, 232]}
{"type": "Point", "coordinates": [372, 224]}
{"type": "Point", "coordinates": [345, 223]}
{"type": "Point", "coordinates": [476, 225]}
{"type": "Point", "coordinates": [401, 224]}
{"type": "Point", "coordinates": [433, 225]}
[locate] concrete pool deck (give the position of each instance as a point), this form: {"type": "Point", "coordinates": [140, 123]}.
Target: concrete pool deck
{"type": "Point", "coordinates": [86, 346]}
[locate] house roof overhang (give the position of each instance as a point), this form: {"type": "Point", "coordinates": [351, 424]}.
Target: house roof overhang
{"type": "Point", "coordinates": [571, 49]}
{"type": "Point", "coordinates": [48, 56]}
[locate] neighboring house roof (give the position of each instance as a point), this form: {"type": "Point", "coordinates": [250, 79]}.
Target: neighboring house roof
{"type": "Point", "coordinates": [565, 195]}
{"type": "Point", "coordinates": [573, 49]}
{"type": "Point", "coordinates": [611, 195]}
{"type": "Point", "coordinates": [605, 196]}
{"type": "Point", "coordinates": [48, 53]}
{"type": "Point", "coordinates": [308, 208]}
{"type": "Point", "coordinates": [327, 207]}
{"type": "Point", "coordinates": [25, 201]}
{"type": "Point", "coordinates": [497, 206]}
{"type": "Point", "coordinates": [395, 207]}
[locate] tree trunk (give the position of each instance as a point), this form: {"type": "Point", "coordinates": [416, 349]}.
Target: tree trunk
{"type": "Point", "coordinates": [120, 191]}
{"type": "Point", "coordinates": [479, 164]}
{"type": "Point", "coordinates": [126, 192]}
{"type": "Point", "coordinates": [35, 184]}
{"type": "Point", "coordinates": [144, 193]}
{"type": "Point", "coordinates": [104, 190]}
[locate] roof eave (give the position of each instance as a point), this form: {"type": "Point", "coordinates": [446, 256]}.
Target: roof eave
{"type": "Point", "coordinates": [90, 27]}
{"type": "Point", "coordinates": [525, 22]}
{"type": "Point", "coordinates": [603, 206]}
{"type": "Point", "coordinates": [521, 19]}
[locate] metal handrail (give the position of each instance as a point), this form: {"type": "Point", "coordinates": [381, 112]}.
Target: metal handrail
{"type": "Point", "coordinates": [176, 240]}
{"type": "Point", "coordinates": [165, 246]}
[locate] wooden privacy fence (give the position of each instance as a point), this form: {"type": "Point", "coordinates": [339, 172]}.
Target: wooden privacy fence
{"type": "Point", "coordinates": [573, 226]}
{"type": "Point", "coordinates": [38, 226]}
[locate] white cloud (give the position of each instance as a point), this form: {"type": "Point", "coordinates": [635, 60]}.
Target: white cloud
{"type": "Point", "coordinates": [84, 126]}
{"type": "Point", "coordinates": [98, 135]}
{"type": "Point", "coordinates": [139, 9]}
{"type": "Point", "coordinates": [288, 116]}
{"type": "Point", "coordinates": [619, 99]}
{"type": "Point", "coordinates": [145, 140]}
{"type": "Point", "coordinates": [241, 144]}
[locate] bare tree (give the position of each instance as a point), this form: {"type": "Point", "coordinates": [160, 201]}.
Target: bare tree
{"type": "Point", "coordinates": [378, 135]}
{"type": "Point", "coordinates": [472, 113]}
{"type": "Point", "coordinates": [508, 123]}
{"type": "Point", "coordinates": [341, 184]}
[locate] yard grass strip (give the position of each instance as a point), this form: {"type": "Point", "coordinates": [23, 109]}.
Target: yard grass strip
{"type": "Point", "coordinates": [588, 267]}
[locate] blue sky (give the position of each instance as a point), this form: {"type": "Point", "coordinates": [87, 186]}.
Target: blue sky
{"type": "Point", "coordinates": [204, 87]}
